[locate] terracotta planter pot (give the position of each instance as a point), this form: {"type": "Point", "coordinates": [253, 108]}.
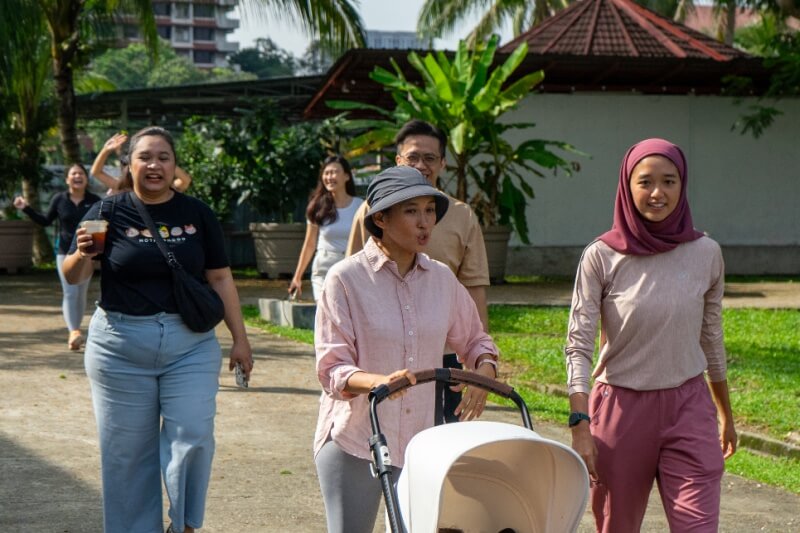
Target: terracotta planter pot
{"type": "Point", "coordinates": [496, 240]}
{"type": "Point", "coordinates": [16, 245]}
{"type": "Point", "coordinates": [277, 247]}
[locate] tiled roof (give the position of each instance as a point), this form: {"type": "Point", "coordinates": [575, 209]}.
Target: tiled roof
{"type": "Point", "coordinates": [349, 78]}
{"type": "Point", "coordinates": [619, 28]}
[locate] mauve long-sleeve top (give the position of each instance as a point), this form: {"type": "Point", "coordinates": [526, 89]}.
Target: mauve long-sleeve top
{"type": "Point", "coordinates": [372, 319]}
{"type": "Point", "coordinates": [661, 315]}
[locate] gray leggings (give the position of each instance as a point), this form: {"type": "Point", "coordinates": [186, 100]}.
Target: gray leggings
{"type": "Point", "coordinates": [73, 302]}
{"type": "Point", "coordinates": [351, 495]}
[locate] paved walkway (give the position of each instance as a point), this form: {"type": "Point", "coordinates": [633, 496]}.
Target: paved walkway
{"type": "Point", "coordinates": [263, 480]}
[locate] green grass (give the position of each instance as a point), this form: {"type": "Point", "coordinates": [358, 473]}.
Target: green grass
{"type": "Point", "coordinates": [543, 280]}
{"type": "Point", "coordinates": [778, 471]}
{"type": "Point", "coordinates": [252, 318]}
{"type": "Point", "coordinates": [762, 346]}
{"type": "Point", "coordinates": [246, 273]}
{"type": "Point", "coordinates": [49, 266]}
{"type": "Point", "coordinates": [763, 372]}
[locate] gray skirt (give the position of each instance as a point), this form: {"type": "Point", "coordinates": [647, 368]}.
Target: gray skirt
{"type": "Point", "coordinates": [323, 261]}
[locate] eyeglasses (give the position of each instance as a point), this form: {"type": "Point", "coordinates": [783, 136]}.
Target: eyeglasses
{"type": "Point", "coordinates": [413, 158]}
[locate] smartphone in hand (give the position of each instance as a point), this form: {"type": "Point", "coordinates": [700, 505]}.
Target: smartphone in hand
{"type": "Point", "coordinates": [241, 377]}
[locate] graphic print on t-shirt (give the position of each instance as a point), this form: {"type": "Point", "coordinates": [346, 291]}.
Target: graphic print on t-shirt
{"type": "Point", "coordinates": [169, 234]}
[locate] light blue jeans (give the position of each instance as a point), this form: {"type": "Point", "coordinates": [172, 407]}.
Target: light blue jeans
{"type": "Point", "coordinates": [146, 372]}
{"type": "Point", "coordinates": [73, 301]}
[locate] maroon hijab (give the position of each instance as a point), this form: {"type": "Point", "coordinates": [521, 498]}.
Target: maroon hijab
{"type": "Point", "coordinates": [631, 233]}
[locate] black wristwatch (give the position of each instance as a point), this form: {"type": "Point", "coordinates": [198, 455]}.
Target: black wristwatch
{"type": "Point", "coordinates": [575, 418]}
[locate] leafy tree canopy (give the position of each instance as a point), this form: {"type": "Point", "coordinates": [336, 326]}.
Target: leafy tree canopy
{"type": "Point", "coordinates": [316, 59]}
{"type": "Point", "coordinates": [133, 68]}
{"type": "Point", "coordinates": [266, 60]}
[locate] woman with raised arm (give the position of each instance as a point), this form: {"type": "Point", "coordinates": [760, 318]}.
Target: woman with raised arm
{"type": "Point", "coordinates": [68, 208]}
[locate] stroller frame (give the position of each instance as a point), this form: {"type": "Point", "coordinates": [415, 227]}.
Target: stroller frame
{"type": "Point", "coordinates": [380, 451]}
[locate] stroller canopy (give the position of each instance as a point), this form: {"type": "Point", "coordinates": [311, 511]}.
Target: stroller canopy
{"type": "Point", "coordinates": [489, 477]}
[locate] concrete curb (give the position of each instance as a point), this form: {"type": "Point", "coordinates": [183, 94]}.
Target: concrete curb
{"type": "Point", "coordinates": [768, 446]}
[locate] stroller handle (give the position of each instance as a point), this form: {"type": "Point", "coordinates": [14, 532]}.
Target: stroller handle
{"type": "Point", "coordinates": [444, 374]}
{"type": "Point", "coordinates": [377, 442]}
{"type": "Point", "coordinates": [448, 375]}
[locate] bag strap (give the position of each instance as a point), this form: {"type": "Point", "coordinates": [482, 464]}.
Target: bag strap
{"type": "Point", "coordinates": [107, 212]}
{"type": "Point", "coordinates": [172, 261]}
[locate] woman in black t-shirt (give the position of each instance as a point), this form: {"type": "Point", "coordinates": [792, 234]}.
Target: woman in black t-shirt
{"type": "Point", "coordinates": [68, 207]}
{"type": "Point", "coordinates": [154, 380]}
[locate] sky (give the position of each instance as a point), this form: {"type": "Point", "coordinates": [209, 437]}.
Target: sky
{"type": "Point", "coordinates": [387, 15]}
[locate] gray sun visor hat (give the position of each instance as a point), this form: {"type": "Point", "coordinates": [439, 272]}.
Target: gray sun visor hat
{"type": "Point", "coordinates": [398, 184]}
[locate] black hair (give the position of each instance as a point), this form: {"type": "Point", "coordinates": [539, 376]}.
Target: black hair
{"type": "Point", "coordinates": [321, 207]}
{"type": "Point", "coordinates": [420, 127]}
{"type": "Point", "coordinates": [79, 165]}
{"type": "Point", "coordinates": [126, 180]}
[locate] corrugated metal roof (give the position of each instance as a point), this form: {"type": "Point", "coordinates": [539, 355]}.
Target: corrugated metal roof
{"type": "Point", "coordinates": [619, 28]}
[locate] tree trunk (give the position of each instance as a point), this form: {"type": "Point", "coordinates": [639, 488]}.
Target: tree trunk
{"type": "Point", "coordinates": [65, 38]}
{"type": "Point", "coordinates": [541, 12]}
{"type": "Point", "coordinates": [29, 155]}
{"type": "Point", "coordinates": [730, 21]}
{"type": "Point", "coordinates": [66, 111]}
{"type": "Point", "coordinates": [461, 178]}
{"type": "Point", "coordinates": [42, 249]}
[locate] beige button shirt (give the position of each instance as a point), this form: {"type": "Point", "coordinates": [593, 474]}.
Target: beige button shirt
{"type": "Point", "coordinates": [369, 318]}
{"type": "Point", "coordinates": [456, 241]}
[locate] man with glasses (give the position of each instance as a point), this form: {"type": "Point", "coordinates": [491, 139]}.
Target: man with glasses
{"type": "Point", "coordinates": [456, 241]}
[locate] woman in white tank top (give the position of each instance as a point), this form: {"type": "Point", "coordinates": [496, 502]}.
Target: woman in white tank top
{"type": "Point", "coordinates": [329, 215]}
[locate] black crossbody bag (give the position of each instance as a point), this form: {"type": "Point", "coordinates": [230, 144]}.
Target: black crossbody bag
{"type": "Point", "coordinates": [199, 305]}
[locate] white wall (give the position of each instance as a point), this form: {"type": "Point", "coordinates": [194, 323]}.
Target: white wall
{"type": "Point", "coordinates": [742, 191]}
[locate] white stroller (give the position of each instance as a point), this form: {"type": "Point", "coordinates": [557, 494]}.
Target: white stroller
{"type": "Point", "coordinates": [479, 477]}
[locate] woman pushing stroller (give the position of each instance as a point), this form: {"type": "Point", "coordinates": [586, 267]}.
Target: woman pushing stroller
{"type": "Point", "coordinates": [384, 313]}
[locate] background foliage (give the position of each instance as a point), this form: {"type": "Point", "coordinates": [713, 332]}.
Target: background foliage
{"type": "Point", "coordinates": [256, 159]}
{"type": "Point", "coordinates": [471, 96]}
{"type": "Point", "coordinates": [132, 68]}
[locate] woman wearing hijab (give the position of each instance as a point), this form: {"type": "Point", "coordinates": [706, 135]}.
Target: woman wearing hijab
{"type": "Point", "coordinates": [385, 313]}
{"type": "Point", "coordinates": [655, 284]}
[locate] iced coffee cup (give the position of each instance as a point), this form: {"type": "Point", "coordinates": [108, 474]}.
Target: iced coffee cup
{"type": "Point", "coordinates": [97, 229]}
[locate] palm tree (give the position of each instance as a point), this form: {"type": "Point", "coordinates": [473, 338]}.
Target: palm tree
{"type": "Point", "coordinates": [336, 24]}
{"type": "Point", "coordinates": [72, 24]}
{"type": "Point", "coordinates": [26, 88]}
{"type": "Point", "coordinates": [439, 18]}
{"type": "Point", "coordinates": [442, 17]}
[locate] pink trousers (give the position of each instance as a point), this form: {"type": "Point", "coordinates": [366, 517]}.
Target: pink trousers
{"type": "Point", "coordinates": [665, 435]}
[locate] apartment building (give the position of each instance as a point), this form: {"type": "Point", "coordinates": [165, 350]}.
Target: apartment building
{"type": "Point", "coordinates": [394, 40]}
{"type": "Point", "coordinates": [197, 29]}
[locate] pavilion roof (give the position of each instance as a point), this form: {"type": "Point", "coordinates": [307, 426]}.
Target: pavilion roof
{"type": "Point", "coordinates": [619, 28]}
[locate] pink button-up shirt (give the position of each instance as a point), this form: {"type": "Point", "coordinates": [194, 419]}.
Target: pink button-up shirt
{"type": "Point", "coordinates": [371, 319]}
